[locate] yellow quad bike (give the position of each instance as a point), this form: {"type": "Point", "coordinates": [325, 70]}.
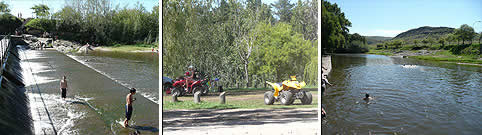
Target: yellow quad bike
{"type": "Point", "coordinates": [286, 92]}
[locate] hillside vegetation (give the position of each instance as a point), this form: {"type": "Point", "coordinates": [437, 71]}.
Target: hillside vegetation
{"type": "Point", "coordinates": [376, 39]}
{"type": "Point", "coordinates": [424, 32]}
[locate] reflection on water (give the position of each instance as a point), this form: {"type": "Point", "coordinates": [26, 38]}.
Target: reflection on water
{"type": "Point", "coordinates": [411, 96]}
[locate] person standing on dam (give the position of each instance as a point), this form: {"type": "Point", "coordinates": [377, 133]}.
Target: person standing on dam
{"type": "Point", "coordinates": [63, 87]}
{"type": "Point", "coordinates": [129, 109]}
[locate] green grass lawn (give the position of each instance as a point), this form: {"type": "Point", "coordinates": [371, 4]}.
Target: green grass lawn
{"type": "Point", "coordinates": [235, 99]}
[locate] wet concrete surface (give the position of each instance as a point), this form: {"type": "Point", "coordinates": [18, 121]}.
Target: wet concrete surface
{"type": "Point", "coordinates": [95, 103]}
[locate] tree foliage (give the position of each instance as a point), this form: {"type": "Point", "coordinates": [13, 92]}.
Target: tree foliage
{"type": "Point", "coordinates": [41, 10]}
{"type": "Point", "coordinates": [283, 9]}
{"type": "Point", "coordinates": [465, 32]}
{"type": "Point", "coordinates": [8, 23]}
{"type": "Point", "coordinates": [98, 21]}
{"type": "Point", "coordinates": [236, 41]}
{"type": "Point", "coordinates": [334, 27]}
{"type": "Point", "coordinates": [4, 7]}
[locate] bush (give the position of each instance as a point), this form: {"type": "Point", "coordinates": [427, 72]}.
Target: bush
{"type": "Point", "coordinates": [8, 23]}
{"type": "Point", "coordinates": [471, 50]}
{"type": "Point", "coordinates": [45, 25]}
{"type": "Point", "coordinates": [456, 49]}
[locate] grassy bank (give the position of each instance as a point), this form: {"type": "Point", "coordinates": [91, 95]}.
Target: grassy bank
{"type": "Point", "coordinates": [449, 53]}
{"type": "Point", "coordinates": [235, 99]}
{"type": "Point", "coordinates": [445, 55]}
{"type": "Point", "coordinates": [128, 48]}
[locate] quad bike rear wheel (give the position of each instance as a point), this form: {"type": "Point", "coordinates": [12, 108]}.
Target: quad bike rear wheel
{"type": "Point", "coordinates": [286, 98]}
{"type": "Point", "coordinates": [307, 98]}
{"type": "Point", "coordinates": [177, 91]}
{"type": "Point", "coordinates": [268, 98]}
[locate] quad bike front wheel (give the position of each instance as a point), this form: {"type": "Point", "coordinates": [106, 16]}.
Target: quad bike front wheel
{"type": "Point", "coordinates": [286, 97]}
{"type": "Point", "coordinates": [307, 98]}
{"type": "Point", "coordinates": [268, 98]}
{"type": "Point", "coordinates": [205, 91]}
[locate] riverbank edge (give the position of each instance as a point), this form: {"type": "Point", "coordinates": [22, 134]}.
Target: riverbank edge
{"type": "Point", "coordinates": [425, 55]}
{"type": "Point", "coordinates": [66, 46]}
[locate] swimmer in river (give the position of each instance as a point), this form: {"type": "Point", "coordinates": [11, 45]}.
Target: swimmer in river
{"type": "Point", "coordinates": [367, 97]}
{"type": "Point", "coordinates": [129, 109]}
{"type": "Point", "coordinates": [323, 113]}
{"type": "Point", "coordinates": [63, 87]}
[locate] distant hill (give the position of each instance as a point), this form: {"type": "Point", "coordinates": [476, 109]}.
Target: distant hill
{"type": "Point", "coordinates": [376, 39]}
{"type": "Point", "coordinates": [424, 32]}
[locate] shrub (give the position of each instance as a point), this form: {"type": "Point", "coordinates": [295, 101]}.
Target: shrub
{"type": "Point", "coordinates": [41, 24]}
{"type": "Point", "coordinates": [8, 23]}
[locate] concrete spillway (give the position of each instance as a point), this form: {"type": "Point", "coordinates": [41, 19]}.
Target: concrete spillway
{"type": "Point", "coordinates": [14, 109]}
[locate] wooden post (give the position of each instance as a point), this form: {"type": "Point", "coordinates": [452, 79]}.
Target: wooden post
{"type": "Point", "coordinates": [197, 97]}
{"type": "Point", "coordinates": [222, 98]}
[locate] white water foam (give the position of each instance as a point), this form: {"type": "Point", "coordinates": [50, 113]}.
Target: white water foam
{"type": "Point", "coordinates": [61, 113]}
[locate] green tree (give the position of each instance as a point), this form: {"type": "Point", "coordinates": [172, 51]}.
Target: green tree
{"type": "Point", "coordinates": [8, 23]}
{"type": "Point", "coordinates": [465, 32]}
{"type": "Point", "coordinates": [425, 41]}
{"type": "Point", "coordinates": [441, 40]}
{"type": "Point", "coordinates": [430, 40]}
{"type": "Point", "coordinates": [334, 27]}
{"type": "Point", "coordinates": [450, 38]}
{"type": "Point", "coordinates": [480, 37]}
{"type": "Point", "coordinates": [283, 10]}
{"type": "Point", "coordinates": [415, 41]}
{"type": "Point", "coordinates": [41, 10]}
{"type": "Point", "coordinates": [4, 7]}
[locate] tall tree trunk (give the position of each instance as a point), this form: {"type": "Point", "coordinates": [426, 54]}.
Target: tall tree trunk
{"type": "Point", "coordinates": [246, 74]}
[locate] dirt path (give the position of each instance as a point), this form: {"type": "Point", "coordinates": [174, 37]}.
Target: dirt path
{"type": "Point", "coordinates": [300, 121]}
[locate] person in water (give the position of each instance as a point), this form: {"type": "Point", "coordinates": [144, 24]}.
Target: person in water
{"type": "Point", "coordinates": [324, 83]}
{"type": "Point", "coordinates": [367, 97]}
{"type": "Point", "coordinates": [323, 113]}
{"type": "Point", "coordinates": [129, 109]}
{"type": "Point", "coordinates": [63, 87]}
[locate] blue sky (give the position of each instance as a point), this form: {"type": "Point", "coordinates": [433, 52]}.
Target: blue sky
{"type": "Point", "coordinates": [23, 6]}
{"type": "Point", "coordinates": [391, 17]}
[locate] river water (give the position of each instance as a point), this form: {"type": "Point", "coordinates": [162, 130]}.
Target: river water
{"type": "Point", "coordinates": [95, 102]}
{"type": "Point", "coordinates": [131, 69]}
{"type": "Point", "coordinates": [410, 96]}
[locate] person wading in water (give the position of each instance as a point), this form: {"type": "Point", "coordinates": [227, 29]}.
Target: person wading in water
{"type": "Point", "coordinates": [129, 109]}
{"type": "Point", "coordinates": [63, 87]}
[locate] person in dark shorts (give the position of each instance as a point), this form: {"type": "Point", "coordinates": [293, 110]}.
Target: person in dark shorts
{"type": "Point", "coordinates": [63, 87]}
{"type": "Point", "coordinates": [129, 109]}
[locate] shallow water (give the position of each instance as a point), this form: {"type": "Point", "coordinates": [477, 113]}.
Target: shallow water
{"type": "Point", "coordinates": [410, 97]}
{"type": "Point", "coordinates": [94, 105]}
{"type": "Point", "coordinates": [139, 70]}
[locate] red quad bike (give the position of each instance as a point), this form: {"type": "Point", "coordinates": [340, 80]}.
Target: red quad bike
{"type": "Point", "coordinates": [194, 86]}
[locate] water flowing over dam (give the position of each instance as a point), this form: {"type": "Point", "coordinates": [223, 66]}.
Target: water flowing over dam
{"type": "Point", "coordinates": [14, 107]}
